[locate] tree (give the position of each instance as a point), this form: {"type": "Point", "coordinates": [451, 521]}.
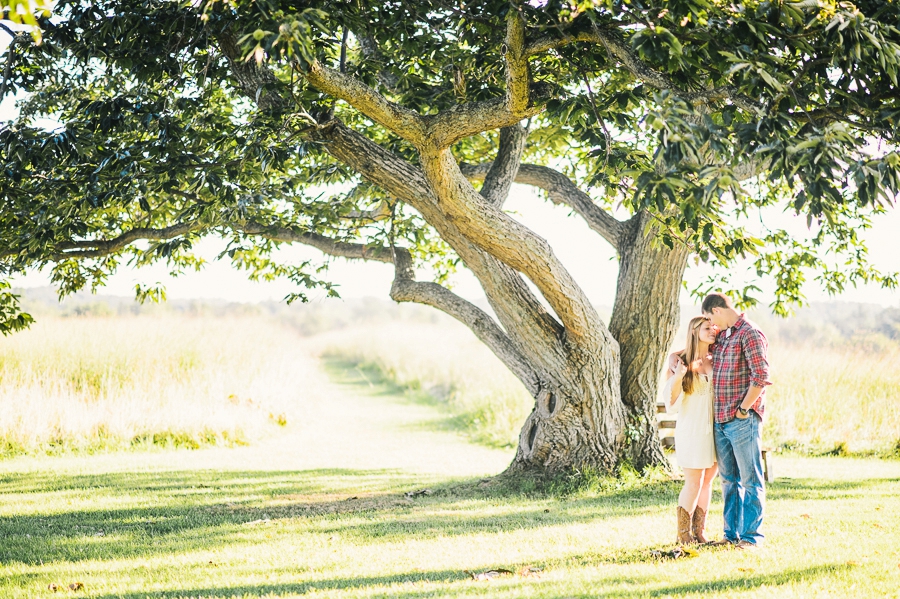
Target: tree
{"type": "Point", "coordinates": [233, 119]}
{"type": "Point", "coordinates": [24, 13]}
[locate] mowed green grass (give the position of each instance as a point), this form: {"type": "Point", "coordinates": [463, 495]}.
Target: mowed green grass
{"type": "Point", "coordinates": [158, 525]}
{"type": "Point", "coordinates": [347, 533]}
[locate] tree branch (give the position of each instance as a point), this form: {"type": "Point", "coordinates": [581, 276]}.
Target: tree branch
{"type": "Point", "coordinates": [97, 248]}
{"type": "Point", "coordinates": [406, 123]}
{"type": "Point", "coordinates": [376, 164]}
{"type": "Point", "coordinates": [327, 245]}
{"type": "Point", "coordinates": [502, 172]}
{"type": "Point", "coordinates": [501, 236]}
{"type": "Point", "coordinates": [442, 130]}
{"type": "Point", "coordinates": [525, 319]}
{"type": "Point", "coordinates": [522, 99]}
{"type": "Point", "coordinates": [618, 48]}
{"type": "Point", "coordinates": [7, 30]}
{"type": "Point", "coordinates": [406, 289]}
{"type": "Point", "coordinates": [561, 190]}
{"type": "Point", "coordinates": [439, 131]}
{"type": "Point", "coordinates": [465, 120]}
{"type": "Point", "coordinates": [518, 75]}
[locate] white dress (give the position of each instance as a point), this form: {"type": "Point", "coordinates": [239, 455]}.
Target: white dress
{"type": "Point", "coordinates": [694, 445]}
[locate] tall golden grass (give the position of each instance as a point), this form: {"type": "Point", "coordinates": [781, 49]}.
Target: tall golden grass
{"type": "Point", "coordinates": [834, 396]}
{"type": "Point", "coordinates": [99, 383]}
{"type": "Point", "coordinates": [838, 395]}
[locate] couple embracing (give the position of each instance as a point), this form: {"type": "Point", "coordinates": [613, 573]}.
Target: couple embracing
{"type": "Point", "coordinates": [717, 386]}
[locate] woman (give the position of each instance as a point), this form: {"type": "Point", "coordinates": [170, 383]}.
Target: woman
{"type": "Point", "coordinates": [688, 391]}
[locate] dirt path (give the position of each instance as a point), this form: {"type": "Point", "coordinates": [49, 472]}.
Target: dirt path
{"type": "Point", "coordinates": [338, 420]}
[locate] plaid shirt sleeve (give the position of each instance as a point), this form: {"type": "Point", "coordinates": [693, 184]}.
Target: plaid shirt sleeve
{"type": "Point", "coordinates": [755, 346]}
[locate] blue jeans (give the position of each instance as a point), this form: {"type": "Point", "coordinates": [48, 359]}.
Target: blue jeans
{"type": "Point", "coordinates": [739, 453]}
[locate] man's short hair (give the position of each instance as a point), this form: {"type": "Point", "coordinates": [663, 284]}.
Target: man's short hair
{"type": "Point", "coordinates": [715, 300]}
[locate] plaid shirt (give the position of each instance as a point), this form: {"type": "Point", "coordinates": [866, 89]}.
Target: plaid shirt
{"type": "Point", "coordinates": [739, 361]}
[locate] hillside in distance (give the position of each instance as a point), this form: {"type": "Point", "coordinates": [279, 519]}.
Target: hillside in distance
{"type": "Point", "coordinates": [821, 322]}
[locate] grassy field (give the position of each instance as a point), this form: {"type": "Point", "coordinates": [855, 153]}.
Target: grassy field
{"type": "Point", "coordinates": [836, 397]}
{"type": "Point", "coordinates": [841, 398]}
{"type": "Point", "coordinates": [98, 383]}
{"type": "Point", "coordinates": [101, 383]}
{"type": "Point", "coordinates": [445, 363]}
{"type": "Point", "coordinates": [310, 514]}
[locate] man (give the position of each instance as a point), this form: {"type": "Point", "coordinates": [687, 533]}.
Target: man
{"type": "Point", "coordinates": [740, 377]}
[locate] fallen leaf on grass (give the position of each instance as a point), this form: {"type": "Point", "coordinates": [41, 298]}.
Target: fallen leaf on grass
{"type": "Point", "coordinates": [418, 493]}
{"type": "Point", "coordinates": [676, 553]}
{"type": "Point", "coordinates": [76, 586]}
{"type": "Point", "coordinates": [530, 572]}
{"type": "Point", "coordinates": [53, 587]}
{"type": "Point", "coordinates": [257, 522]}
{"type": "Point", "coordinates": [488, 574]}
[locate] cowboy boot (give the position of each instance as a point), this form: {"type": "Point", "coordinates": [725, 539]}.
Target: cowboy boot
{"type": "Point", "coordinates": [684, 527]}
{"type": "Point", "coordinates": [698, 525]}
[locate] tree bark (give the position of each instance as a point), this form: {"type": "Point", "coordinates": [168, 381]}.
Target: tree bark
{"type": "Point", "coordinates": [644, 320]}
{"type": "Point", "coordinates": [578, 420]}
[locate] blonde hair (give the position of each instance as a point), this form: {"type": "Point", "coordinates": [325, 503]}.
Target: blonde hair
{"type": "Point", "coordinates": [691, 353]}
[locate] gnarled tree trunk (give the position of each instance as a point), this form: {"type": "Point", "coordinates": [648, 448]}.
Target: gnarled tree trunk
{"type": "Point", "coordinates": [577, 422]}
{"type": "Point", "coordinates": [644, 320]}
{"type": "Point", "coordinates": [566, 357]}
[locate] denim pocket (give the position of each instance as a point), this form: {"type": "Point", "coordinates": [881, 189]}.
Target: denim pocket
{"type": "Point", "coordinates": [745, 433]}
{"type": "Point", "coordinates": [740, 429]}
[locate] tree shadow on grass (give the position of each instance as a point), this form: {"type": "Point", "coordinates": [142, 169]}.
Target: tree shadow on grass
{"type": "Point", "coordinates": [200, 510]}
{"type": "Point", "coordinates": [744, 582]}
{"type": "Point", "coordinates": [828, 489]}
{"type": "Point", "coordinates": [366, 379]}
{"type": "Point", "coordinates": [618, 587]}
{"type": "Point", "coordinates": [299, 588]}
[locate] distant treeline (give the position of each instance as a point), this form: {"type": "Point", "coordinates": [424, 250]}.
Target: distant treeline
{"type": "Point", "coordinates": [307, 319]}
{"type": "Point", "coordinates": [831, 323]}
{"type": "Point", "coordinates": [827, 323]}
